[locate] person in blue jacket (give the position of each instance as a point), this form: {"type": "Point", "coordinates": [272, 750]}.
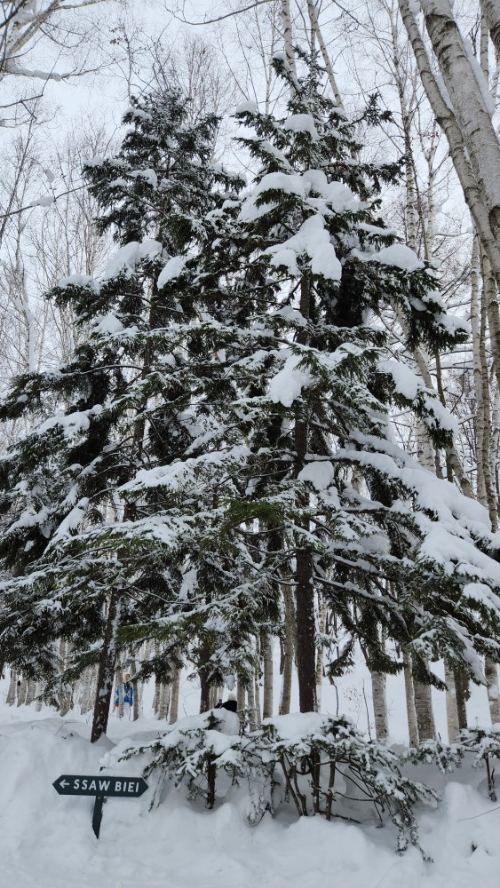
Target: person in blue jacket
{"type": "Point", "coordinates": [126, 690]}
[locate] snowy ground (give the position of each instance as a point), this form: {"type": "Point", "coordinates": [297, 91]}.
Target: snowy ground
{"type": "Point", "coordinates": [46, 840]}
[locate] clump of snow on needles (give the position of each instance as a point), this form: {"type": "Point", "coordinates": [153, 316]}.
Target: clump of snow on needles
{"type": "Point", "coordinates": [399, 255]}
{"type": "Point", "coordinates": [128, 257]}
{"type": "Point", "coordinates": [320, 473]}
{"type": "Point", "coordinates": [314, 241]}
{"type": "Point", "coordinates": [288, 383]}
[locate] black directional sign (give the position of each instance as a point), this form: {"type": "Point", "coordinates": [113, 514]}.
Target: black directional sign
{"type": "Point", "coordinates": [100, 787]}
{"type": "Point", "coordinates": [81, 784]}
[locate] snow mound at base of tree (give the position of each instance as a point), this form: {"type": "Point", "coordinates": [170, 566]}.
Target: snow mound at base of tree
{"type": "Point", "coordinates": [46, 840]}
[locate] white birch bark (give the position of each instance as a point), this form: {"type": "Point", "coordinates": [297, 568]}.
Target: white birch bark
{"type": "Point", "coordinates": [30, 692]}
{"type": "Point", "coordinates": [488, 295]}
{"type": "Point", "coordinates": [12, 692]}
{"type": "Point", "coordinates": [267, 662]}
{"type": "Point", "coordinates": [445, 117]}
{"type": "Point", "coordinates": [321, 649]}
{"type": "Point", "coordinates": [137, 686]}
{"type": "Point", "coordinates": [491, 673]}
{"type": "Point", "coordinates": [240, 698]}
{"type": "Point", "coordinates": [379, 695]}
{"type": "Point", "coordinates": [316, 31]}
{"type": "Point", "coordinates": [424, 712]}
{"type": "Point", "coordinates": [164, 701]}
{"type": "Point", "coordinates": [468, 100]}
{"type": "Point", "coordinates": [22, 687]}
{"type": "Point", "coordinates": [491, 12]}
{"type": "Point", "coordinates": [451, 704]}
{"type": "Point", "coordinates": [258, 711]}
{"type": "Point", "coordinates": [477, 370]}
{"type": "Point", "coordinates": [289, 646]}
{"type": "Point", "coordinates": [174, 697]}
{"type": "Point", "coordinates": [286, 20]}
{"type": "Point", "coordinates": [252, 706]}
{"type": "Point", "coordinates": [119, 684]}
{"type": "Point", "coordinates": [87, 689]}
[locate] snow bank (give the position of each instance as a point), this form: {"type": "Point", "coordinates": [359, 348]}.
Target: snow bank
{"type": "Point", "coordinates": [46, 840]}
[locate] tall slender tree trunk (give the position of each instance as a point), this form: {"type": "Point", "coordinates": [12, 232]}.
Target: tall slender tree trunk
{"type": "Point", "coordinates": [316, 31]}
{"type": "Point", "coordinates": [22, 687]}
{"type": "Point", "coordinates": [204, 683]}
{"type": "Point", "coordinates": [12, 692]}
{"type": "Point", "coordinates": [252, 704]}
{"type": "Point", "coordinates": [289, 649]}
{"type": "Point", "coordinates": [471, 110]}
{"type": "Point", "coordinates": [451, 704]}
{"type": "Point", "coordinates": [136, 685]}
{"type": "Point", "coordinates": [240, 698]}
{"type": "Point", "coordinates": [164, 701]}
{"type": "Point", "coordinates": [459, 152]}
{"type": "Point", "coordinates": [423, 709]}
{"type": "Point", "coordinates": [304, 587]}
{"type": "Point", "coordinates": [491, 12]}
{"type": "Point", "coordinates": [174, 697]}
{"type": "Point", "coordinates": [379, 694]}
{"type": "Point", "coordinates": [286, 21]}
{"type": "Point", "coordinates": [267, 662]}
{"type": "Point", "coordinates": [30, 692]}
{"type": "Point", "coordinates": [106, 670]}
{"type": "Point", "coordinates": [87, 689]}
{"type": "Point", "coordinates": [491, 672]}
{"type": "Point", "coordinates": [321, 650]}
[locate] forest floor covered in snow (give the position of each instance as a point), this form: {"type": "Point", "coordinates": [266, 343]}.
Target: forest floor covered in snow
{"type": "Point", "coordinates": [46, 840]}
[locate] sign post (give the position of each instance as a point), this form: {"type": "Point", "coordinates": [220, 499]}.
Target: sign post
{"type": "Point", "coordinates": [100, 787]}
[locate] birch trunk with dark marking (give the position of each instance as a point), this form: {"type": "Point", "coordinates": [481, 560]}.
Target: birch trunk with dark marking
{"type": "Point", "coordinates": [136, 685]}
{"type": "Point", "coordinates": [252, 704]}
{"type": "Point", "coordinates": [288, 651]}
{"type": "Point", "coordinates": [204, 660]}
{"type": "Point", "coordinates": [12, 692]}
{"type": "Point", "coordinates": [321, 650]}
{"type": "Point", "coordinates": [286, 20]}
{"type": "Point", "coordinates": [174, 697]}
{"type": "Point", "coordinates": [304, 588]}
{"type": "Point", "coordinates": [106, 670]}
{"type": "Point", "coordinates": [424, 712]}
{"type": "Point", "coordinates": [316, 30]}
{"type": "Point", "coordinates": [470, 107]}
{"type": "Point", "coordinates": [491, 673]}
{"type": "Point", "coordinates": [379, 694]}
{"type": "Point", "coordinates": [491, 13]}
{"type": "Point", "coordinates": [267, 664]}
{"type": "Point", "coordinates": [87, 689]}
{"type": "Point", "coordinates": [22, 686]}
{"type": "Point", "coordinates": [411, 713]}
{"type": "Point", "coordinates": [164, 701]}
{"type": "Point", "coordinates": [240, 698]}
{"type": "Point", "coordinates": [451, 704]}
{"type": "Point", "coordinates": [445, 116]}
{"type": "Point", "coordinates": [30, 691]}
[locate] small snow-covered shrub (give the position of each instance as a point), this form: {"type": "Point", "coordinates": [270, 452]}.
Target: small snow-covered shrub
{"type": "Point", "coordinates": [321, 765]}
{"type": "Point", "coordinates": [331, 769]}
{"type": "Point", "coordinates": [192, 750]}
{"type": "Point", "coordinates": [483, 743]}
{"type": "Point", "coordinates": [445, 756]}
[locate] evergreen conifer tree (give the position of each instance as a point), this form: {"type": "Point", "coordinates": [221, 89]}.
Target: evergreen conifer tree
{"type": "Point", "coordinates": [110, 411]}
{"type": "Point", "coordinates": [295, 476]}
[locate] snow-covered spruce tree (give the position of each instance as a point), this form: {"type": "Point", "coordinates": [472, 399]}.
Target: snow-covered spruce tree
{"type": "Point", "coordinates": [295, 476]}
{"type": "Point", "coordinates": [108, 412]}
